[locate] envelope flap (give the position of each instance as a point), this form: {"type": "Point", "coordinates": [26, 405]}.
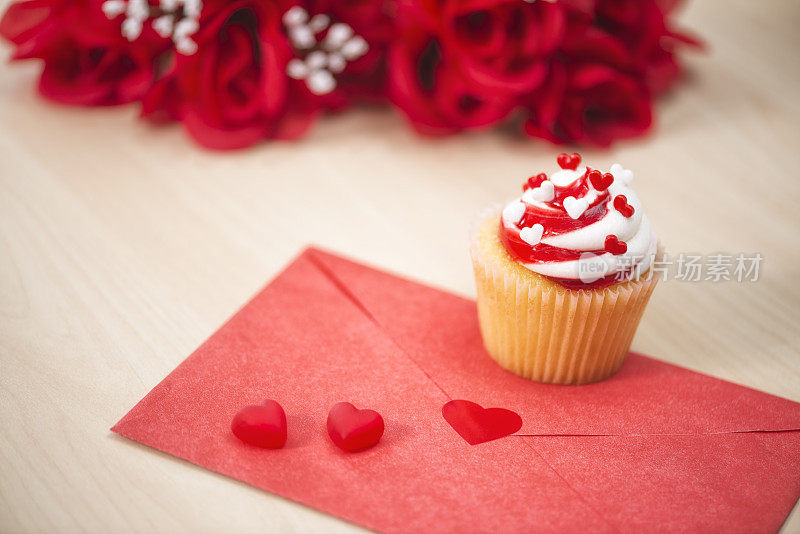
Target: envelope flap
{"type": "Point", "coordinates": [439, 331]}
{"type": "Point", "coordinates": [682, 483]}
{"type": "Point", "coordinates": [301, 342]}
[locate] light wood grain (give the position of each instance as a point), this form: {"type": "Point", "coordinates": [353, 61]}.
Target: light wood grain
{"type": "Point", "coordinates": [123, 246]}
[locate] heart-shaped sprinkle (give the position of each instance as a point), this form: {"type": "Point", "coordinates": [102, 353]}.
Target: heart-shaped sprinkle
{"type": "Point", "coordinates": [513, 213]}
{"type": "Point", "coordinates": [569, 161]}
{"type": "Point", "coordinates": [532, 235]}
{"type": "Point", "coordinates": [575, 206]}
{"type": "Point", "coordinates": [534, 181]}
{"type": "Point", "coordinates": [600, 181]}
{"type": "Point", "coordinates": [262, 425]}
{"type": "Point", "coordinates": [545, 192]}
{"type": "Point", "coordinates": [477, 424]}
{"type": "Point", "coordinates": [622, 206]}
{"type": "Point", "coordinates": [352, 429]}
{"type": "Point", "coordinates": [615, 246]}
{"type": "Point", "coordinates": [625, 175]}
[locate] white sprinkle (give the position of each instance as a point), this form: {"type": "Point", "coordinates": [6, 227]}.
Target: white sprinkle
{"type": "Point", "coordinates": [319, 22]}
{"type": "Point", "coordinates": [532, 235]}
{"type": "Point", "coordinates": [590, 197]}
{"type": "Point", "coordinates": [297, 69]}
{"type": "Point", "coordinates": [513, 213]}
{"type": "Point", "coordinates": [336, 62]}
{"type": "Point", "coordinates": [527, 196]}
{"type": "Point", "coordinates": [163, 25]}
{"type": "Point", "coordinates": [575, 206]}
{"type": "Point", "coordinates": [626, 175]}
{"type": "Point", "coordinates": [186, 46]}
{"type": "Point", "coordinates": [168, 5]}
{"type": "Point", "coordinates": [545, 192]}
{"type": "Point", "coordinates": [355, 48]}
{"type": "Point", "coordinates": [113, 8]}
{"type": "Point", "coordinates": [565, 177]}
{"type": "Point", "coordinates": [321, 82]}
{"type": "Point", "coordinates": [302, 37]}
{"type": "Point", "coordinates": [295, 16]}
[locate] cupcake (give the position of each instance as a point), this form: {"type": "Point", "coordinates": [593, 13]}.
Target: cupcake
{"type": "Point", "coordinates": [564, 274]}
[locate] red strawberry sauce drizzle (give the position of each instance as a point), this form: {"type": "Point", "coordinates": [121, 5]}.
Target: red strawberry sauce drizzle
{"type": "Point", "coordinates": [534, 181]}
{"type": "Point", "coordinates": [523, 252]}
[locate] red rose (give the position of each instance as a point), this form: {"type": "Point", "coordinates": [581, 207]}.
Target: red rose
{"type": "Point", "coordinates": [365, 77]}
{"type": "Point", "coordinates": [234, 91]}
{"type": "Point", "coordinates": [86, 59]}
{"type": "Point", "coordinates": [435, 95]}
{"type": "Point", "coordinates": [643, 28]}
{"type": "Point", "coordinates": [236, 71]}
{"type": "Point", "coordinates": [588, 103]}
{"type": "Point", "coordinates": [500, 45]}
{"type": "Point", "coordinates": [614, 58]}
{"type": "Point", "coordinates": [428, 85]}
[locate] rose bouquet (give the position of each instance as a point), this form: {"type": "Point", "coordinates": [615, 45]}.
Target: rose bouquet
{"type": "Point", "coordinates": [238, 71]}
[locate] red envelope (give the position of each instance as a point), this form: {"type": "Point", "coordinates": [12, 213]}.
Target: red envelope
{"type": "Point", "coordinates": [655, 448]}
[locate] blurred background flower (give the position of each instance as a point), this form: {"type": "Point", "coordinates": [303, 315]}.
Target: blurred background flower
{"type": "Point", "coordinates": [236, 72]}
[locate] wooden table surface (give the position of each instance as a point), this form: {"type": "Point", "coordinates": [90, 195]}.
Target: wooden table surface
{"type": "Point", "coordinates": [123, 246]}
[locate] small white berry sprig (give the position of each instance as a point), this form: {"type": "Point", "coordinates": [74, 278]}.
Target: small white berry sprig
{"type": "Point", "coordinates": [322, 57]}
{"type": "Point", "coordinates": [135, 11]}
{"type": "Point", "coordinates": [176, 19]}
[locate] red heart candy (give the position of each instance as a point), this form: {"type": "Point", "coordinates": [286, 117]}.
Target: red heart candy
{"type": "Point", "coordinates": [615, 246]}
{"type": "Point", "coordinates": [569, 161]}
{"type": "Point", "coordinates": [601, 181]}
{"type": "Point", "coordinates": [262, 425]}
{"type": "Point", "coordinates": [622, 206]}
{"type": "Point", "coordinates": [534, 181]}
{"type": "Point", "coordinates": [477, 424]}
{"type": "Point", "coordinates": [352, 429]}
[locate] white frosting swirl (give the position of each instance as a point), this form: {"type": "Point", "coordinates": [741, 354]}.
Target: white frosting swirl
{"type": "Point", "coordinates": [590, 238]}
